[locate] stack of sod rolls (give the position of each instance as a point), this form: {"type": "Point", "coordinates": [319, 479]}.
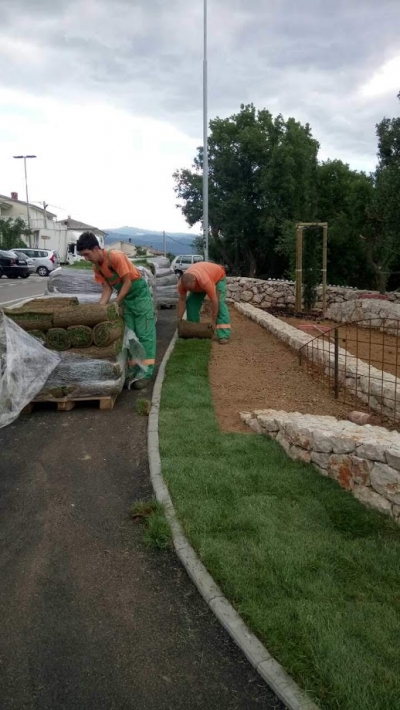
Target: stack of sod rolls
{"type": "Point", "coordinates": [166, 283]}
{"type": "Point", "coordinates": [89, 340]}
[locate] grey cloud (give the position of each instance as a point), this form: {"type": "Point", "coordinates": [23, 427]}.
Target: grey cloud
{"type": "Point", "coordinates": [306, 59]}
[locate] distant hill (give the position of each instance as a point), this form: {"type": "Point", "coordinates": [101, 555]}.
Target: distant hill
{"type": "Point", "coordinates": [176, 242]}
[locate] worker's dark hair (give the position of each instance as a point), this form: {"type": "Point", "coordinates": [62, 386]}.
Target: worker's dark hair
{"type": "Point", "coordinates": [87, 240]}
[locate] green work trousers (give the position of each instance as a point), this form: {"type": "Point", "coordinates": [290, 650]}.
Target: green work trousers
{"type": "Point", "coordinates": [139, 317]}
{"type": "Point", "coordinates": [194, 302]}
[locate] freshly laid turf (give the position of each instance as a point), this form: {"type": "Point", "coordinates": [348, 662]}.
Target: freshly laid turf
{"type": "Point", "coordinates": [313, 572]}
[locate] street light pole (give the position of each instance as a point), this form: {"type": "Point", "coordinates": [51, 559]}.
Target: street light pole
{"type": "Point", "coordinates": [205, 139]}
{"type": "Point", "coordinates": [24, 158]}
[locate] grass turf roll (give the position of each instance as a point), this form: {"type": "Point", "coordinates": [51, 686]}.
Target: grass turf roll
{"type": "Point", "coordinates": [81, 336]}
{"type": "Point", "coordinates": [30, 321]}
{"type": "Point", "coordinates": [108, 332]}
{"type": "Point", "coordinates": [89, 314]}
{"type": "Point", "coordinates": [58, 339]}
{"type": "Point", "coordinates": [96, 353]}
{"type": "Point", "coordinates": [38, 334]}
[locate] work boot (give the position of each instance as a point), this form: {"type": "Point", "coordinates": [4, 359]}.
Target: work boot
{"type": "Point", "coordinates": [141, 384]}
{"type": "Point", "coordinates": [223, 341]}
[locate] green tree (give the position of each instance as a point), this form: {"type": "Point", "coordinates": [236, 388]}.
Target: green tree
{"type": "Point", "coordinates": [382, 229]}
{"type": "Point", "coordinates": [11, 233]}
{"type": "Point", "coordinates": [343, 199]}
{"type": "Point", "coordinates": [262, 173]}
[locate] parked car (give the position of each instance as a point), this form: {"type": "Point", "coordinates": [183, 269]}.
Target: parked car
{"type": "Point", "coordinates": [183, 261]}
{"type": "Point", "coordinates": [13, 265]}
{"type": "Point", "coordinates": [30, 262]}
{"type": "Point", "coordinates": [44, 260]}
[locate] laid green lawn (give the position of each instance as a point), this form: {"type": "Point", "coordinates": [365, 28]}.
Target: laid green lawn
{"type": "Point", "coordinates": [313, 573]}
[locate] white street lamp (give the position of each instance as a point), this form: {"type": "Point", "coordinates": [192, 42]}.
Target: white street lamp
{"type": "Point", "coordinates": [24, 158]}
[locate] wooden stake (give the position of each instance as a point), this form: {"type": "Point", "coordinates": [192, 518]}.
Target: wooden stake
{"type": "Point", "coordinates": [299, 269]}
{"type": "Point", "coordinates": [324, 265]}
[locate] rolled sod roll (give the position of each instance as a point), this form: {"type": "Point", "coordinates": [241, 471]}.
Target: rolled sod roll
{"type": "Point", "coordinates": [40, 305]}
{"type": "Point", "coordinates": [89, 314]}
{"type": "Point", "coordinates": [108, 332]}
{"type": "Point", "coordinates": [38, 334]}
{"type": "Point", "coordinates": [81, 336]}
{"type": "Point", "coordinates": [30, 321]}
{"type": "Point", "coordinates": [96, 353]}
{"type": "Point", "coordinates": [186, 329]}
{"type": "Point", "coordinates": [58, 339]}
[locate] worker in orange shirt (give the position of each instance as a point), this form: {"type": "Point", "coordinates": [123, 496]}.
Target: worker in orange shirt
{"type": "Point", "coordinates": [199, 280]}
{"type": "Point", "coordinates": [113, 270]}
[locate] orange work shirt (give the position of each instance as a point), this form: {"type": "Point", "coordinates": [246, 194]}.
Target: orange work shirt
{"type": "Point", "coordinates": [120, 265]}
{"type": "Point", "coordinates": [207, 276]}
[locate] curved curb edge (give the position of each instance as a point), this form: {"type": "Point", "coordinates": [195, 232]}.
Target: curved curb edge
{"type": "Point", "coordinates": [269, 669]}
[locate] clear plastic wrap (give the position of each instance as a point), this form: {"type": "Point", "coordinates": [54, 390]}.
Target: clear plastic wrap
{"type": "Point", "coordinates": [167, 295]}
{"type": "Point", "coordinates": [160, 262]}
{"type": "Point", "coordinates": [72, 281]}
{"type": "Point", "coordinates": [167, 280]}
{"type": "Point", "coordinates": [81, 283]}
{"type": "Point", "coordinates": [25, 365]}
{"type": "Point", "coordinates": [76, 376]}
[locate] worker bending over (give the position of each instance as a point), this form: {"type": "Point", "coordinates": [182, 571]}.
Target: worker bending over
{"type": "Point", "coordinates": [201, 279]}
{"type": "Point", "coordinates": [113, 270]}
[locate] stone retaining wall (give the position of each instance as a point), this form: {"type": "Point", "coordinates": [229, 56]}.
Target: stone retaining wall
{"type": "Point", "coordinates": [362, 459]}
{"type": "Point", "coordinates": [372, 313]}
{"type": "Point", "coordinates": [282, 293]}
{"type": "Point", "coordinates": [381, 391]}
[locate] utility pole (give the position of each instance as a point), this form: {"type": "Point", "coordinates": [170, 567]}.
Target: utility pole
{"type": "Point", "coordinates": [45, 205]}
{"type": "Point", "coordinates": [24, 158]}
{"type": "Point", "coordinates": [205, 139]}
{"type": "Point", "coordinates": [164, 244]}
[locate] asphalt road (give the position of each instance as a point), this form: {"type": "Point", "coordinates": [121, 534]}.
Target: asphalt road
{"type": "Point", "coordinates": [13, 290]}
{"type": "Point", "coordinates": [91, 619]}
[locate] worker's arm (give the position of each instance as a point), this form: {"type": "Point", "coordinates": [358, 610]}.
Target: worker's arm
{"type": "Point", "coordinates": [126, 286]}
{"type": "Point", "coordinates": [105, 293]}
{"type": "Point", "coordinates": [215, 307]}
{"type": "Point", "coordinates": [181, 306]}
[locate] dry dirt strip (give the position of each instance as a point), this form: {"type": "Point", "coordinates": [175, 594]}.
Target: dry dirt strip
{"type": "Point", "coordinates": [269, 669]}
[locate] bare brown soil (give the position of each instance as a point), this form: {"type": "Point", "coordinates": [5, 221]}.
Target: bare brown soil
{"type": "Point", "coordinates": [258, 371]}
{"type": "Point", "coordinates": [379, 349]}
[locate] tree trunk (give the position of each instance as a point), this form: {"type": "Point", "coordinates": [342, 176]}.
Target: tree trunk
{"type": "Point", "coordinates": [252, 265]}
{"type": "Point", "coordinates": [381, 279]}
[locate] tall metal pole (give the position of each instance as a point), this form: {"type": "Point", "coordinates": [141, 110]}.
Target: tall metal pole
{"type": "Point", "coordinates": [27, 196]}
{"type": "Point", "coordinates": [164, 244]}
{"type": "Point", "coordinates": [24, 157]}
{"type": "Point", "coordinates": [205, 139]}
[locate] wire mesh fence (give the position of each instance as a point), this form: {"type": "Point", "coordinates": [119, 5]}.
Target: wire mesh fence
{"type": "Point", "coordinates": [359, 362]}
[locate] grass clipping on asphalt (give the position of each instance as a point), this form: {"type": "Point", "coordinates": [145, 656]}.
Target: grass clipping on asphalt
{"type": "Point", "coordinates": [313, 572]}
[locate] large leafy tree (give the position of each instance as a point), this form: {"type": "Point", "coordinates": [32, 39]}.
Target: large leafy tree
{"type": "Point", "coordinates": [262, 174]}
{"type": "Point", "coordinates": [11, 233]}
{"type": "Point", "coordinates": [344, 196]}
{"type": "Point", "coordinates": [381, 234]}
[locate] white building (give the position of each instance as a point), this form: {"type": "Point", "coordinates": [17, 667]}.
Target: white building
{"type": "Point", "coordinates": [42, 222]}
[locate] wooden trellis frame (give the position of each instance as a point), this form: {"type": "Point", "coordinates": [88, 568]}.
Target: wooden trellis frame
{"type": "Point", "coordinates": [299, 262]}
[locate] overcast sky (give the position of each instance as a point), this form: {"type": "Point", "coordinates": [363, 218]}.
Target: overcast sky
{"type": "Point", "coordinates": [108, 94]}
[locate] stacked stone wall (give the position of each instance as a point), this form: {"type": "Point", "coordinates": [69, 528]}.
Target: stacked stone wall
{"type": "Point", "coordinates": [362, 459]}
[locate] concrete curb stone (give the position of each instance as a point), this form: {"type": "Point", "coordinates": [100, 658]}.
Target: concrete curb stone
{"type": "Point", "coordinates": [269, 669]}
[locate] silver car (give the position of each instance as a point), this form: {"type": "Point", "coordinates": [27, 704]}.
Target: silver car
{"type": "Point", "coordinates": [44, 260]}
{"type": "Point", "coordinates": [182, 262]}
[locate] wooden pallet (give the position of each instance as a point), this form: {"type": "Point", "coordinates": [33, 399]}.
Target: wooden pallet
{"type": "Point", "coordinates": [65, 405]}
